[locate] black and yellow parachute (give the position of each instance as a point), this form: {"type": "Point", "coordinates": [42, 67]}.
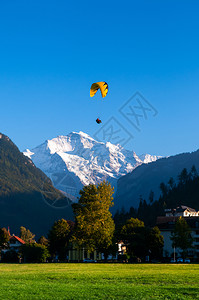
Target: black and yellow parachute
{"type": "Point", "coordinates": [102, 85]}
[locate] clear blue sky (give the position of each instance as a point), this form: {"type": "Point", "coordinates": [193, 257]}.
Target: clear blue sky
{"type": "Point", "coordinates": [51, 52]}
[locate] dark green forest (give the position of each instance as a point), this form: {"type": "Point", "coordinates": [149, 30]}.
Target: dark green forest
{"type": "Point", "coordinates": [27, 196]}
{"type": "Point", "coordinates": [183, 191]}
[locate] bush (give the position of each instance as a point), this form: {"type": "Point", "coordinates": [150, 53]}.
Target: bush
{"type": "Point", "coordinates": [10, 256]}
{"type": "Point", "coordinates": [34, 253]}
{"type": "Point", "coordinates": [123, 257]}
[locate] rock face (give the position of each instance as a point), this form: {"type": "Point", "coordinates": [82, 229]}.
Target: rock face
{"type": "Point", "coordinates": [148, 177]}
{"type": "Point", "coordinates": [76, 160]}
{"type": "Point", "coordinates": [27, 196]}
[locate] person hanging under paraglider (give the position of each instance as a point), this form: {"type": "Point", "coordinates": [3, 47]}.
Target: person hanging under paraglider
{"type": "Point", "coordinates": [103, 86]}
{"type": "Point", "coordinates": [98, 121]}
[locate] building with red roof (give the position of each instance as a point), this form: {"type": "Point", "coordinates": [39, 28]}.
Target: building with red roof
{"type": "Point", "coordinates": [14, 244]}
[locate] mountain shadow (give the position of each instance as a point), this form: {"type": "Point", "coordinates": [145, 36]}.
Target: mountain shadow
{"type": "Point", "coordinates": [27, 196]}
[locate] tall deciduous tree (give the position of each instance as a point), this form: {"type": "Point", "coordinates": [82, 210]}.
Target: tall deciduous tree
{"type": "Point", "coordinates": [94, 227]}
{"type": "Point", "coordinates": [155, 242]}
{"type": "Point", "coordinates": [181, 236]}
{"type": "Point", "coordinates": [26, 235]}
{"type": "Point", "coordinates": [133, 234]}
{"type": "Point", "coordinates": [43, 241]}
{"type": "Point", "coordinates": [58, 238]}
{"type": "Point", "coordinates": [142, 241]}
{"type": "Point", "coordinates": [4, 237]}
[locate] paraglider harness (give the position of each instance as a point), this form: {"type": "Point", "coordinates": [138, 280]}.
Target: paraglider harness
{"type": "Point", "coordinates": [98, 121]}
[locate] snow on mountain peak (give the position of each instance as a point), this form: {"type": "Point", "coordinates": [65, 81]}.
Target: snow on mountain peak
{"type": "Point", "coordinates": [147, 158]}
{"type": "Point", "coordinates": [28, 153]}
{"type": "Point", "coordinates": [80, 159]}
{"type": "Point", "coordinates": [85, 135]}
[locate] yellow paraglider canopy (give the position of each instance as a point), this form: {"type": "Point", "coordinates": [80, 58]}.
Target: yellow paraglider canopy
{"type": "Point", "coordinates": [102, 85]}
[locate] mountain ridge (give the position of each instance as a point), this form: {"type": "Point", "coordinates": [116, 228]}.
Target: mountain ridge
{"type": "Point", "coordinates": [148, 177]}
{"type": "Point", "coordinates": [27, 196]}
{"type": "Point", "coordinates": [80, 159]}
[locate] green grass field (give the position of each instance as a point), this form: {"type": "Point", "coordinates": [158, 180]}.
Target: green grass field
{"type": "Point", "coordinates": [99, 281]}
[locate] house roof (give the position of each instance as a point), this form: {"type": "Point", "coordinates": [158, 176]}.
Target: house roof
{"type": "Point", "coordinates": [14, 237]}
{"type": "Point", "coordinates": [182, 208]}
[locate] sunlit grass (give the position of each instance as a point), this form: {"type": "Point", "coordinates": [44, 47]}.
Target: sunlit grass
{"type": "Point", "coordinates": [99, 281]}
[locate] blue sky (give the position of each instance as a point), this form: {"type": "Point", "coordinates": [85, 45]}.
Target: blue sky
{"type": "Point", "coordinates": [52, 51]}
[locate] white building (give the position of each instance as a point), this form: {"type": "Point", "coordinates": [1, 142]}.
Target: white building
{"type": "Point", "coordinates": [182, 211]}
{"type": "Point", "coordinates": [166, 225]}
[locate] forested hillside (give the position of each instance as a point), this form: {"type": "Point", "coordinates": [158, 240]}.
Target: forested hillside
{"type": "Point", "coordinates": [183, 191]}
{"type": "Point", "coordinates": [27, 196]}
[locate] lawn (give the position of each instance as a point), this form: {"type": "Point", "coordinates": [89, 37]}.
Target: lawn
{"type": "Point", "coordinates": [99, 281]}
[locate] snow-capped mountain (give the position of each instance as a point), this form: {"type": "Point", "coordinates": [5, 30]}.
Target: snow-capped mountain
{"type": "Point", "coordinates": [77, 159]}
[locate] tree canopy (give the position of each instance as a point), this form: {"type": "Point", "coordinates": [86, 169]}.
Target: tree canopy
{"type": "Point", "coordinates": [4, 237]}
{"type": "Point", "coordinates": [43, 241]}
{"type": "Point", "coordinates": [142, 241]}
{"type": "Point", "coordinates": [58, 238]}
{"type": "Point", "coordinates": [181, 236]}
{"type": "Point", "coordinates": [26, 235]}
{"type": "Point", "coordinates": [34, 253]}
{"type": "Point", "coordinates": [94, 227]}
